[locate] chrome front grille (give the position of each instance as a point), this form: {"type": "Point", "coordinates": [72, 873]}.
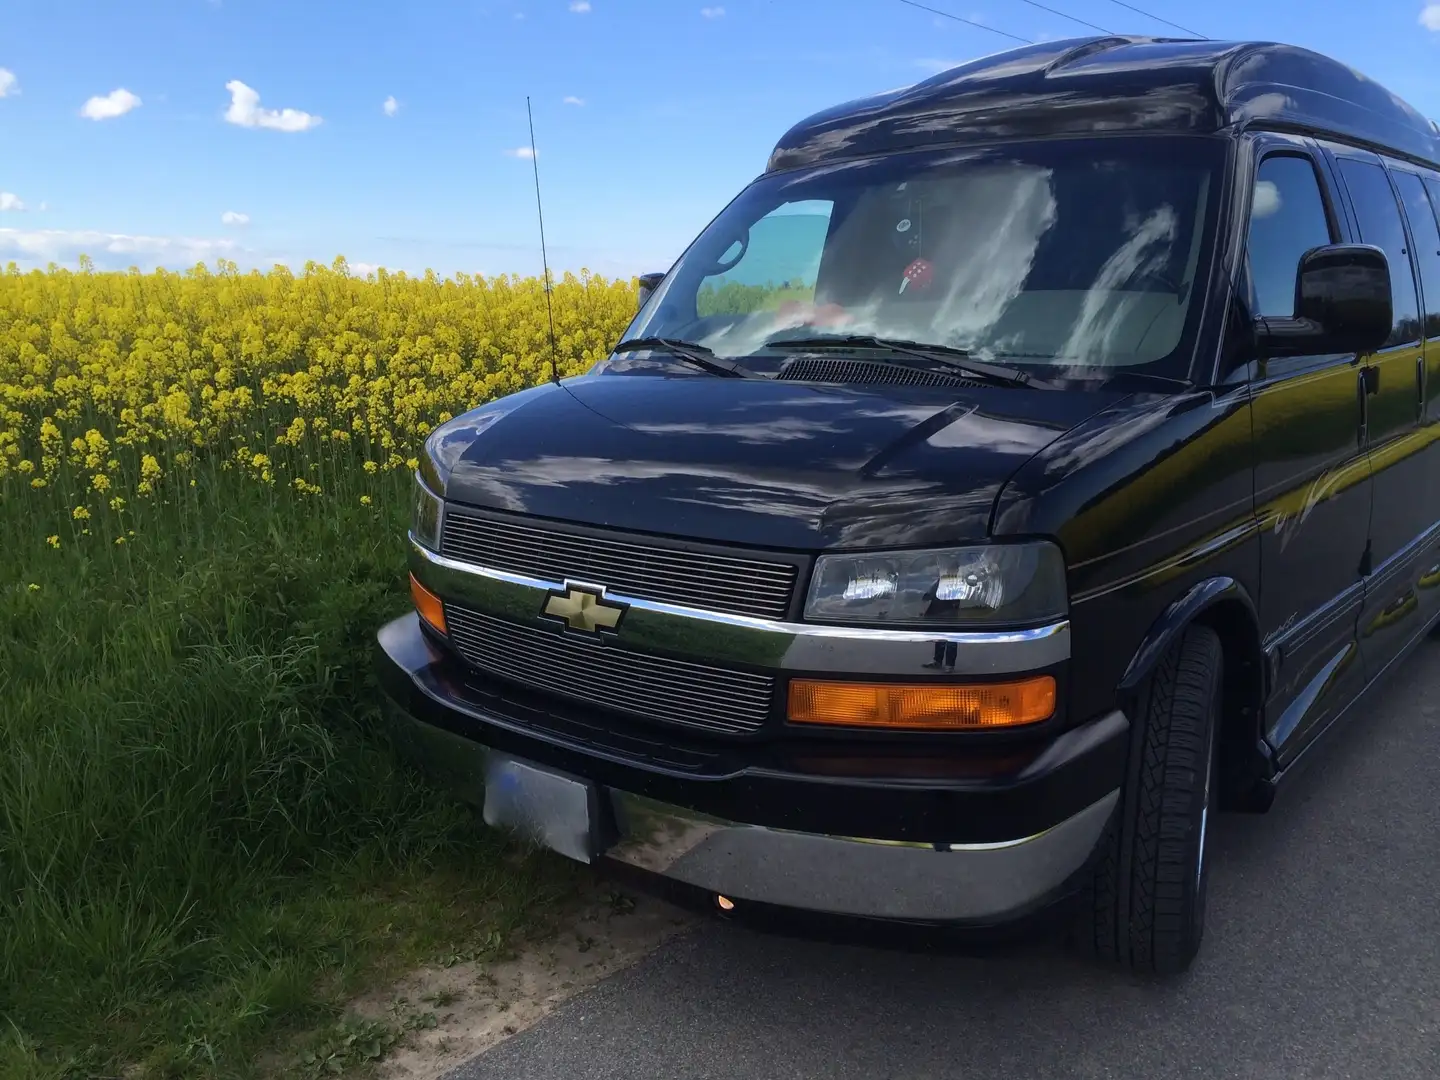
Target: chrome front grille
{"type": "Point", "coordinates": [731, 584]}
{"type": "Point", "coordinates": [605, 675]}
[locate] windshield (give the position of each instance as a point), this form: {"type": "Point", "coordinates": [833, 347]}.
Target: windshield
{"type": "Point", "coordinates": [1077, 254]}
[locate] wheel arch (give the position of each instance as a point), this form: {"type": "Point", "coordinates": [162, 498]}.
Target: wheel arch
{"type": "Point", "coordinates": [1226, 607]}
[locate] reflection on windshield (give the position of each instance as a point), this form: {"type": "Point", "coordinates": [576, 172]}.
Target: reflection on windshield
{"type": "Point", "coordinates": [1077, 255]}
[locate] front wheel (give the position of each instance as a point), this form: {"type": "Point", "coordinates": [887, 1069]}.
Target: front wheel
{"type": "Point", "coordinates": [1144, 907]}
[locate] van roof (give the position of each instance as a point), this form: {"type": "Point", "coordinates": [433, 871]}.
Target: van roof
{"type": "Point", "coordinates": [1113, 84]}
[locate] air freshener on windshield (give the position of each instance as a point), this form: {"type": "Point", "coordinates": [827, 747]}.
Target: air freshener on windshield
{"type": "Point", "coordinates": [919, 274]}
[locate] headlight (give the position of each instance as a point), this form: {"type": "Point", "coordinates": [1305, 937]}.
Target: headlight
{"type": "Point", "coordinates": [994, 583]}
{"type": "Point", "coordinates": [426, 516]}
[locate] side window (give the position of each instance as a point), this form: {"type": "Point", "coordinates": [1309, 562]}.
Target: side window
{"type": "Point", "coordinates": [1379, 218]}
{"type": "Point", "coordinates": [778, 261]}
{"type": "Point", "coordinates": [1287, 219]}
{"type": "Point", "coordinates": [1421, 215]}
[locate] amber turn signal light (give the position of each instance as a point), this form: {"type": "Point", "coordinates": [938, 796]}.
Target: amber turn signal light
{"type": "Point", "coordinates": [428, 605]}
{"type": "Point", "coordinates": [923, 706]}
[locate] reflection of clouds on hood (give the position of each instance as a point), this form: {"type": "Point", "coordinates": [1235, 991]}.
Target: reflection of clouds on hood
{"type": "Point", "coordinates": [993, 434]}
{"type": "Point", "coordinates": [761, 433]}
{"type": "Point", "coordinates": [707, 484]}
{"type": "Point", "coordinates": [1081, 451]}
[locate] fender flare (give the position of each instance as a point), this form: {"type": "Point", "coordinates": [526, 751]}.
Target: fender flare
{"type": "Point", "coordinates": [1172, 622]}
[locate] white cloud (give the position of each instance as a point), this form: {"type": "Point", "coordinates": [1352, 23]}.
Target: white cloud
{"type": "Point", "coordinates": [571, 99]}
{"type": "Point", "coordinates": [522, 152]}
{"type": "Point", "coordinates": [234, 217]}
{"type": "Point", "coordinates": [391, 106]}
{"type": "Point", "coordinates": [9, 201]}
{"type": "Point", "coordinates": [1267, 199]}
{"type": "Point", "coordinates": [712, 12]}
{"type": "Point", "coordinates": [580, 7]}
{"type": "Point", "coordinates": [110, 250]}
{"type": "Point", "coordinates": [245, 111]}
{"type": "Point", "coordinates": [9, 85]}
{"type": "Point", "coordinates": [1429, 18]}
{"type": "Point", "coordinates": [107, 107]}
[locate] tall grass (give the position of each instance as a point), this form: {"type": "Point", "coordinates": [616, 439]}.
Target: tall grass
{"type": "Point", "coordinates": [205, 840]}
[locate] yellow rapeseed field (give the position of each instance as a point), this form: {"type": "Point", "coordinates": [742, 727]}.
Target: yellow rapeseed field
{"type": "Point", "coordinates": [117, 386]}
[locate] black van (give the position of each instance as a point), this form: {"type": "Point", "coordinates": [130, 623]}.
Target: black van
{"type": "Point", "coordinates": [1028, 463]}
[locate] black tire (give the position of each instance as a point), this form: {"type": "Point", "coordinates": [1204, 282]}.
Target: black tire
{"type": "Point", "coordinates": [1144, 907]}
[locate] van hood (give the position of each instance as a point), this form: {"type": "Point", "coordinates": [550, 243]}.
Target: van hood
{"type": "Point", "coordinates": [754, 462]}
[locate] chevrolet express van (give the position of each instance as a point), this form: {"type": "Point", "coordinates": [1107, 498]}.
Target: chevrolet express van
{"type": "Point", "coordinates": [1027, 465]}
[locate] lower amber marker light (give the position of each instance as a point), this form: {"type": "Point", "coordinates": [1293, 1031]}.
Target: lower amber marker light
{"type": "Point", "coordinates": [427, 604]}
{"type": "Point", "coordinates": [922, 706]}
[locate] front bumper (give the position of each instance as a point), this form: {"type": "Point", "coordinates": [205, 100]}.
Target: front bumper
{"type": "Point", "coordinates": [979, 849]}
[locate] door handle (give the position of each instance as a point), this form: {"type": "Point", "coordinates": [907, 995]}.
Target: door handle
{"type": "Point", "coordinates": [1362, 394]}
{"type": "Point", "coordinates": [1370, 379]}
{"type": "Point", "coordinates": [1420, 389]}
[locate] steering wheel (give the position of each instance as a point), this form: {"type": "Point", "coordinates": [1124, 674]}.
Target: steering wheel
{"type": "Point", "coordinates": [723, 265]}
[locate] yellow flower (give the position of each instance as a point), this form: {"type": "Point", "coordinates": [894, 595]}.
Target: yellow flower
{"type": "Point", "coordinates": [38, 482]}
{"type": "Point", "coordinates": [100, 482]}
{"type": "Point", "coordinates": [150, 469]}
{"type": "Point", "coordinates": [119, 540]}
{"type": "Point", "coordinates": [372, 466]}
{"type": "Point", "coordinates": [117, 504]}
{"type": "Point", "coordinates": [53, 541]}
{"type": "Point", "coordinates": [34, 587]}
{"type": "Point", "coordinates": [24, 465]}
{"type": "Point", "coordinates": [364, 500]}
{"type": "Point", "coordinates": [80, 514]}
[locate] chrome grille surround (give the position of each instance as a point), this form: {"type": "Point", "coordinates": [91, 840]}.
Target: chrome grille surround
{"type": "Point", "coordinates": [699, 696]}
{"type": "Point", "coordinates": [725, 583]}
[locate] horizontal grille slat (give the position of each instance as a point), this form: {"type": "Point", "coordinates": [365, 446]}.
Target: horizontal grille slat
{"type": "Point", "coordinates": [654, 687]}
{"type": "Point", "coordinates": [715, 582]}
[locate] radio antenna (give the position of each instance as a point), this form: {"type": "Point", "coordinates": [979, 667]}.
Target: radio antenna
{"type": "Point", "coordinates": [544, 259]}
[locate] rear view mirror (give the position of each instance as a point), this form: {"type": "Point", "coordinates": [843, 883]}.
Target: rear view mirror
{"type": "Point", "coordinates": [648, 284]}
{"type": "Point", "coordinates": [1342, 304]}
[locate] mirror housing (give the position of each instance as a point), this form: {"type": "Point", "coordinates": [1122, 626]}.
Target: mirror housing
{"type": "Point", "coordinates": [1342, 304]}
{"type": "Point", "coordinates": [648, 284]}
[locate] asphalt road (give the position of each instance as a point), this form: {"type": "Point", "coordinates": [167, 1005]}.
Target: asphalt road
{"type": "Point", "coordinates": [1321, 959]}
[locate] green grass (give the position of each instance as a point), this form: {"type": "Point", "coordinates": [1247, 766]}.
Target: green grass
{"type": "Point", "coordinates": [206, 842]}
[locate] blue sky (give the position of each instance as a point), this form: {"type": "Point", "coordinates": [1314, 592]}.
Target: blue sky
{"type": "Point", "coordinates": [156, 131]}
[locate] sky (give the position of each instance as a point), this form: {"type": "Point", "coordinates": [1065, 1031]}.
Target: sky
{"type": "Point", "coordinates": [170, 132]}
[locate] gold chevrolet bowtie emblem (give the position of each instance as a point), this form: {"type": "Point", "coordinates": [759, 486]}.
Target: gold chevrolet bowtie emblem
{"type": "Point", "coordinates": [584, 609]}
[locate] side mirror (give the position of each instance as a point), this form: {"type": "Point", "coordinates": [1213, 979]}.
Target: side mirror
{"type": "Point", "coordinates": [648, 284]}
{"type": "Point", "coordinates": [1342, 304]}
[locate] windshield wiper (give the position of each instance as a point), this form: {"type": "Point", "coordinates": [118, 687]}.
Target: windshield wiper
{"type": "Point", "coordinates": [958, 360]}
{"type": "Point", "coordinates": [698, 355]}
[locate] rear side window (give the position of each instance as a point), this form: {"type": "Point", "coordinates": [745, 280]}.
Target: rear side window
{"type": "Point", "coordinates": [1287, 219]}
{"type": "Point", "coordinates": [1421, 216]}
{"type": "Point", "coordinates": [1379, 218]}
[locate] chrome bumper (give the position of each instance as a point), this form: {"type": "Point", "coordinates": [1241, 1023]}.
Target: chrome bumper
{"type": "Point", "coordinates": [839, 875]}
{"type": "Point", "coordinates": [851, 876]}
